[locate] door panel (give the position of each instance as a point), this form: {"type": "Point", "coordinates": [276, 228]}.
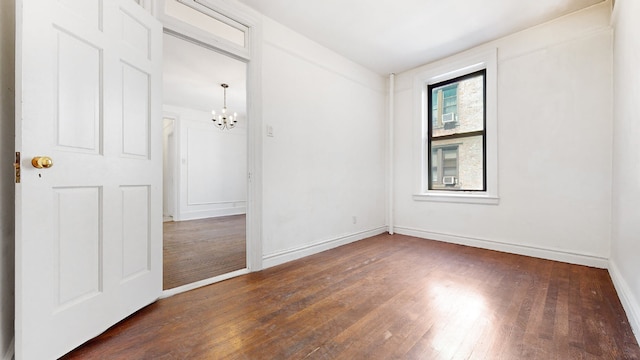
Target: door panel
{"type": "Point", "coordinates": [136, 241]}
{"type": "Point", "coordinates": [135, 122]}
{"type": "Point", "coordinates": [77, 244]}
{"type": "Point", "coordinates": [88, 229]}
{"type": "Point", "coordinates": [135, 35]}
{"type": "Point", "coordinates": [78, 93]}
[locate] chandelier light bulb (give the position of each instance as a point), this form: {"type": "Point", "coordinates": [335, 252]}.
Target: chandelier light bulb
{"type": "Point", "coordinates": [222, 121]}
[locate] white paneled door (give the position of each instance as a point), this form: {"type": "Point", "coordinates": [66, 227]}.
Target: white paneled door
{"type": "Point", "coordinates": [88, 228]}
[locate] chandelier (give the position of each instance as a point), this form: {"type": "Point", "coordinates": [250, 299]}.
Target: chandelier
{"type": "Point", "coordinates": [224, 120]}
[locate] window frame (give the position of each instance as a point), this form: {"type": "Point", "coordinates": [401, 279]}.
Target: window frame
{"type": "Point", "coordinates": [460, 135]}
{"type": "Point", "coordinates": [440, 72]}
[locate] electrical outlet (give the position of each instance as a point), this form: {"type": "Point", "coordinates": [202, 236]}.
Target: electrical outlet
{"type": "Point", "coordinates": [354, 219]}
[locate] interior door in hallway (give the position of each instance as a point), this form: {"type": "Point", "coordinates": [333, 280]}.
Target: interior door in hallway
{"type": "Point", "coordinates": [88, 228]}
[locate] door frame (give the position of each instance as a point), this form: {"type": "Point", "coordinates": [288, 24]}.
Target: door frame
{"type": "Point", "coordinates": [174, 157]}
{"type": "Point", "coordinates": [252, 56]}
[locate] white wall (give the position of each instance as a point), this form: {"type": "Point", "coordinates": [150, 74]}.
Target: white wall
{"type": "Point", "coordinates": [625, 247]}
{"type": "Point", "coordinates": [7, 148]}
{"type": "Point", "coordinates": [212, 173]}
{"type": "Point", "coordinates": [325, 162]}
{"type": "Point", "coordinates": [554, 145]}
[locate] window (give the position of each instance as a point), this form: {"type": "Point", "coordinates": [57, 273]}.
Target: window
{"type": "Point", "coordinates": [205, 22]}
{"type": "Point", "coordinates": [444, 166]}
{"type": "Point", "coordinates": [457, 148]}
{"type": "Point", "coordinates": [444, 106]}
{"type": "Point", "coordinates": [457, 116]}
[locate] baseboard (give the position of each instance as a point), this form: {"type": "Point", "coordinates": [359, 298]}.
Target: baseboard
{"type": "Point", "coordinates": [205, 214]}
{"type": "Point", "coordinates": [543, 253]}
{"type": "Point", "coordinates": [8, 355]}
{"type": "Point", "coordinates": [629, 302]}
{"type": "Point", "coordinates": [284, 256]}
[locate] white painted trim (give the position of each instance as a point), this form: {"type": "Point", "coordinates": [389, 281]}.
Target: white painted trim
{"type": "Point", "coordinates": [252, 19]}
{"type": "Point", "coordinates": [390, 152]}
{"type": "Point", "coordinates": [527, 250]}
{"type": "Point", "coordinates": [201, 283]}
{"type": "Point", "coordinates": [201, 203]}
{"type": "Point", "coordinates": [177, 182]}
{"type": "Point", "coordinates": [629, 302]}
{"type": "Point", "coordinates": [284, 256]}
{"type": "Point", "coordinates": [254, 146]}
{"type": "Point", "coordinates": [442, 70]}
{"type": "Point", "coordinates": [194, 215]}
{"type": "Point", "coordinates": [8, 355]}
{"type": "Point", "coordinates": [458, 197]}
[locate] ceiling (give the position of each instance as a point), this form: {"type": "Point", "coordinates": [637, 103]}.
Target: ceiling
{"type": "Point", "coordinates": [389, 36]}
{"type": "Point", "coordinates": [192, 75]}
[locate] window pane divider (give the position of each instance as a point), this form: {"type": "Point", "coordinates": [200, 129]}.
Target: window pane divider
{"type": "Point", "coordinates": [459, 135]}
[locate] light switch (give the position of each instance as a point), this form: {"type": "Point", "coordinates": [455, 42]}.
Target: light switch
{"type": "Point", "coordinates": [269, 131]}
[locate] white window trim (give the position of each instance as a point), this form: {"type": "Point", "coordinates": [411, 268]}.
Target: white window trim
{"type": "Point", "coordinates": [443, 70]}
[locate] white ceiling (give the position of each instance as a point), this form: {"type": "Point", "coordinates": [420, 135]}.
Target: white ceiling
{"type": "Point", "coordinates": [192, 75]}
{"type": "Point", "coordinates": [395, 35]}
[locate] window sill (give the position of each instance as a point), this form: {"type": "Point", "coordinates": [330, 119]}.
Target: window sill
{"type": "Point", "coordinates": [456, 197]}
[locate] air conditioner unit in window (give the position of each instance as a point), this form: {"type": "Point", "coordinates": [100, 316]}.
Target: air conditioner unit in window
{"type": "Point", "coordinates": [449, 180]}
{"type": "Point", "coordinates": [448, 118]}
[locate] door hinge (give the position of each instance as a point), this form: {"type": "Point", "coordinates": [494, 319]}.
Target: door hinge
{"type": "Point", "coordinates": [16, 165]}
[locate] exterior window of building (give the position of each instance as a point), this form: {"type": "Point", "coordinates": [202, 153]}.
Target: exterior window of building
{"type": "Point", "coordinates": [444, 106]}
{"type": "Point", "coordinates": [456, 141]}
{"type": "Point", "coordinates": [455, 109]}
{"type": "Point", "coordinates": [444, 166]}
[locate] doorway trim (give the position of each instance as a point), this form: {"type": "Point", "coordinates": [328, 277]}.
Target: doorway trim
{"type": "Point", "coordinates": [175, 193]}
{"type": "Point", "coordinates": [252, 58]}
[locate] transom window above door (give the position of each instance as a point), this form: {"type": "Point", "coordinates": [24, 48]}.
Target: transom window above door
{"type": "Point", "coordinates": [204, 21]}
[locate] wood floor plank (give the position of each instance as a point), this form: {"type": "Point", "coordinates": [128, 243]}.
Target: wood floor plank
{"type": "Point", "coordinates": [386, 297]}
{"type": "Point", "coordinates": [195, 250]}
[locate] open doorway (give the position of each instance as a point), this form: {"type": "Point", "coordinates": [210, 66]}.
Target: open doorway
{"type": "Point", "coordinates": [205, 167]}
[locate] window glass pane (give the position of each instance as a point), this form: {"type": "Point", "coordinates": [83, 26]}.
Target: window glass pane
{"type": "Point", "coordinates": [434, 110]}
{"type": "Point", "coordinates": [207, 23]}
{"type": "Point", "coordinates": [457, 164]}
{"type": "Point", "coordinates": [461, 107]}
{"type": "Point", "coordinates": [434, 165]}
{"type": "Point", "coordinates": [450, 91]}
{"type": "Point", "coordinates": [444, 165]}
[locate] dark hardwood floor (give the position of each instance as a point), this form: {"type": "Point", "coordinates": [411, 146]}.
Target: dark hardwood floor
{"type": "Point", "coordinates": [200, 249]}
{"type": "Point", "coordinates": [387, 297]}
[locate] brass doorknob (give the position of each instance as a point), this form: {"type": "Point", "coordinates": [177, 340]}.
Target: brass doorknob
{"type": "Point", "coordinates": [40, 162]}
